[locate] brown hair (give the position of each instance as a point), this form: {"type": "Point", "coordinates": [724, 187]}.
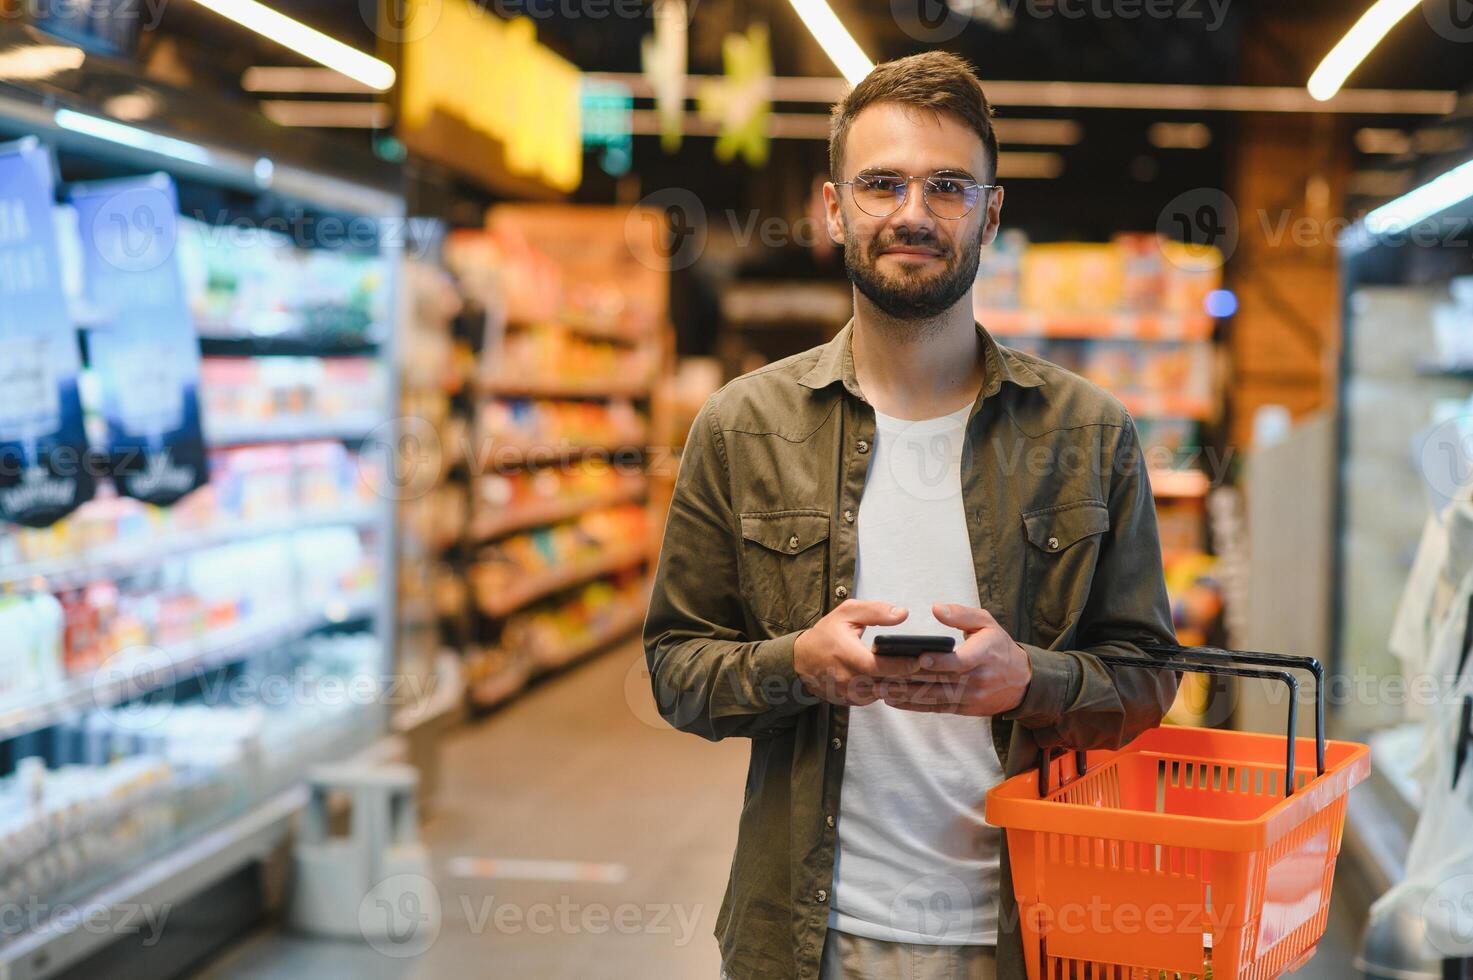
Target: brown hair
{"type": "Point", "coordinates": [937, 81]}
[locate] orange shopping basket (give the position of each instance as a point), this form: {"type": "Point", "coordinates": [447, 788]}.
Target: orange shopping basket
{"type": "Point", "coordinates": [1189, 854]}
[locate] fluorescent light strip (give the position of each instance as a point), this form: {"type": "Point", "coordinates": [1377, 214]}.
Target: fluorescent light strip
{"type": "Point", "coordinates": [141, 139]}
{"type": "Point", "coordinates": [834, 38]}
{"type": "Point", "coordinates": [1039, 132]}
{"type": "Point", "coordinates": [1179, 136]}
{"type": "Point", "coordinates": [326, 115]}
{"type": "Point", "coordinates": [1358, 42]}
{"type": "Point", "coordinates": [1118, 95]}
{"type": "Point", "coordinates": [1021, 166]}
{"type": "Point", "coordinates": [1432, 198]}
{"type": "Point", "coordinates": [1392, 142]}
{"type": "Point", "coordinates": [287, 79]}
{"type": "Point", "coordinates": [40, 62]}
{"type": "Point", "coordinates": [306, 41]}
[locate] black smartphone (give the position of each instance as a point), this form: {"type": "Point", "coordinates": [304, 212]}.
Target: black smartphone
{"type": "Point", "coordinates": [901, 645]}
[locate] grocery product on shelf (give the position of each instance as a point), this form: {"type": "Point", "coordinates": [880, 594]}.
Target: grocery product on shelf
{"type": "Point", "coordinates": [535, 562]}
{"type": "Point", "coordinates": [261, 399]}
{"type": "Point", "coordinates": [125, 782]}
{"type": "Point", "coordinates": [548, 424]}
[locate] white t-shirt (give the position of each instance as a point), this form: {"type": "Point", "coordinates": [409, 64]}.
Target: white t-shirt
{"type": "Point", "coordinates": [916, 862]}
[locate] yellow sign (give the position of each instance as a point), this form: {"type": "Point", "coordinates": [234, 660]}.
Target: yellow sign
{"type": "Point", "coordinates": [742, 101]}
{"type": "Point", "coordinates": [492, 76]}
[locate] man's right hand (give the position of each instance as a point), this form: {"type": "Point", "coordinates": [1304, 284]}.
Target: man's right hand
{"type": "Point", "coordinates": [831, 661]}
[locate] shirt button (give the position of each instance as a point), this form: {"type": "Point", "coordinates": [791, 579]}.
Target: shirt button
{"type": "Point", "coordinates": [863, 446]}
{"type": "Point", "coordinates": [1053, 544]}
{"type": "Point", "coordinates": [841, 592]}
{"type": "Point", "coordinates": [793, 542]}
{"type": "Point", "coordinates": [837, 743]}
{"type": "Point", "coordinates": [848, 517]}
{"type": "Point", "coordinates": [822, 895]}
{"type": "Point", "coordinates": [829, 819]}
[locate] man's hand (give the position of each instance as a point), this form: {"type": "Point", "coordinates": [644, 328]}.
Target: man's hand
{"type": "Point", "coordinates": [987, 674]}
{"type": "Point", "coordinates": [831, 661]}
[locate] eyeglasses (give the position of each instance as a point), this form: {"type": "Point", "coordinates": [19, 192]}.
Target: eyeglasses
{"type": "Point", "coordinates": [880, 193]}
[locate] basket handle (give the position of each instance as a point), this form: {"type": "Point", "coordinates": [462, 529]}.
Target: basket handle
{"type": "Point", "coordinates": [1217, 668]}
{"type": "Point", "coordinates": [1285, 661]}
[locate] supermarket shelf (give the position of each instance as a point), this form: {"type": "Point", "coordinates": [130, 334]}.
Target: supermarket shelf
{"type": "Point", "coordinates": [183, 872]}
{"type": "Point", "coordinates": [1098, 326]}
{"type": "Point", "coordinates": [621, 624]}
{"type": "Point", "coordinates": [1179, 483]}
{"type": "Point", "coordinates": [106, 689]}
{"type": "Point", "coordinates": [531, 589]}
{"type": "Point", "coordinates": [506, 454]}
{"type": "Point", "coordinates": [536, 515]}
{"type": "Point", "coordinates": [589, 328]}
{"type": "Point", "coordinates": [1433, 369]}
{"type": "Point", "coordinates": [291, 429]}
{"type": "Point", "coordinates": [553, 388]}
{"type": "Point", "coordinates": [75, 569]}
{"type": "Point", "coordinates": [231, 346]}
{"type": "Point", "coordinates": [1165, 405]}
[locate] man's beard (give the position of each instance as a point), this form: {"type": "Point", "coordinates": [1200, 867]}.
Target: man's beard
{"type": "Point", "coordinates": [912, 294]}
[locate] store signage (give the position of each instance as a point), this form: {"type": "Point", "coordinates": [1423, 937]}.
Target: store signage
{"type": "Point", "coordinates": [463, 67]}
{"type": "Point", "coordinates": [43, 444]}
{"type": "Point", "coordinates": [608, 125]}
{"type": "Point", "coordinates": [143, 347]}
{"type": "Point", "coordinates": [741, 103]}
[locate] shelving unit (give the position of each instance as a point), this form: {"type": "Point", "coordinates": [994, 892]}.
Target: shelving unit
{"type": "Point", "coordinates": [315, 610]}
{"type": "Point", "coordinates": [565, 398]}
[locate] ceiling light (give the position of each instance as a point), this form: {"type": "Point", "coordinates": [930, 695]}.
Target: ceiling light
{"type": "Point", "coordinates": [1179, 136]}
{"type": "Point", "coordinates": [1039, 132]}
{"type": "Point", "coordinates": [141, 139]}
{"type": "Point", "coordinates": [320, 81]}
{"type": "Point", "coordinates": [306, 41]}
{"type": "Point", "coordinates": [1020, 166]}
{"type": "Point", "coordinates": [327, 115]}
{"type": "Point", "coordinates": [1358, 42]}
{"type": "Point", "coordinates": [1432, 198]}
{"type": "Point", "coordinates": [1392, 142]}
{"type": "Point", "coordinates": [834, 38]}
{"type": "Point", "coordinates": [39, 62]}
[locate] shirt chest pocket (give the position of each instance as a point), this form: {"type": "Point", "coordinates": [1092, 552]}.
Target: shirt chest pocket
{"type": "Point", "coordinates": [784, 565]}
{"type": "Point", "coordinates": [1059, 562]}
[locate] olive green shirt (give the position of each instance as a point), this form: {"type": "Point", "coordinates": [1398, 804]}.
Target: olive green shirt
{"type": "Point", "coordinates": [761, 542]}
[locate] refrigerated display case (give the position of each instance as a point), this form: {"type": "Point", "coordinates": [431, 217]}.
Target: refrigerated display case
{"type": "Point", "coordinates": [185, 663]}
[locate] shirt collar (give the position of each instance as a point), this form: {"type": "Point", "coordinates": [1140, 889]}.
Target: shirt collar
{"type": "Point", "coordinates": [836, 363]}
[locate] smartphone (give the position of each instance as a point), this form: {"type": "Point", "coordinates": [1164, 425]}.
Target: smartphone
{"type": "Point", "coordinates": [900, 645]}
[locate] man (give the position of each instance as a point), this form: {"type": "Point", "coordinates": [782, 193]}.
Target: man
{"type": "Point", "coordinates": [910, 476]}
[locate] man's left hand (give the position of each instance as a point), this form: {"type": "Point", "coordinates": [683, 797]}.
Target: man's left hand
{"type": "Point", "coordinates": [987, 674]}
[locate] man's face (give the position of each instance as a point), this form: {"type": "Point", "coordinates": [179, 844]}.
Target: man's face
{"type": "Point", "coordinates": [912, 264]}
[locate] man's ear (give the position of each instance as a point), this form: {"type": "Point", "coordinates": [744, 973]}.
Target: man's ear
{"type": "Point", "coordinates": [832, 215]}
{"type": "Point", "coordinates": [992, 216]}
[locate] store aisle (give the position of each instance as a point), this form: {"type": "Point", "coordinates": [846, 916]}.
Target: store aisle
{"type": "Point", "coordinates": [578, 769]}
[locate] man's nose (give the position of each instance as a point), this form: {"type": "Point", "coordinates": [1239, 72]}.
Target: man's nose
{"type": "Point", "coordinates": [913, 214]}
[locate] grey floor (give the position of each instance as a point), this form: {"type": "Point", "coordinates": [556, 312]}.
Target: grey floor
{"type": "Point", "coordinates": [579, 769]}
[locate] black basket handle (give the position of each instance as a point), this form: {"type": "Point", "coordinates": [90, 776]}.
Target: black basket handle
{"type": "Point", "coordinates": [1222, 663]}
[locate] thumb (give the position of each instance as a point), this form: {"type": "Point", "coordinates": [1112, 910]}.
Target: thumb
{"type": "Point", "coordinates": [874, 613]}
{"type": "Point", "coordinates": [968, 619]}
